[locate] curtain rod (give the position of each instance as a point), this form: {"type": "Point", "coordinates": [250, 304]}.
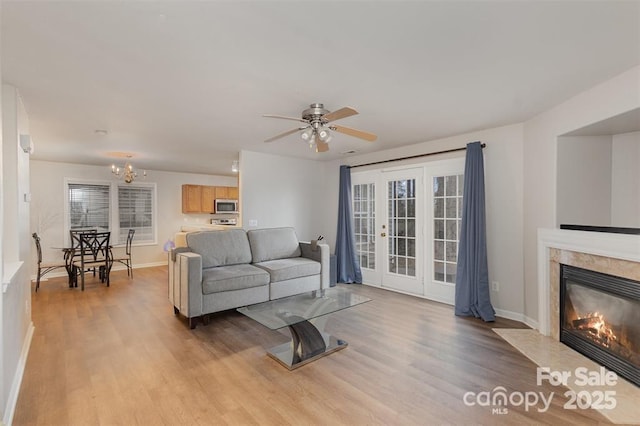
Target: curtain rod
{"type": "Point", "coordinates": [414, 156]}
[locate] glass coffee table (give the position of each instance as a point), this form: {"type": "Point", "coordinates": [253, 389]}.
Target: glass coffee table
{"type": "Point", "coordinates": [305, 315]}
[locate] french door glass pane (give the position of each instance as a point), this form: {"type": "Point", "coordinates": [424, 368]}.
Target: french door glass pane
{"type": "Point", "coordinates": [364, 224]}
{"type": "Point", "coordinates": [401, 226]}
{"type": "Point", "coordinates": [447, 214]}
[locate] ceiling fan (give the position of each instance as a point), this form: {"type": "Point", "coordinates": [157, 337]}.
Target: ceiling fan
{"type": "Point", "coordinates": [317, 130]}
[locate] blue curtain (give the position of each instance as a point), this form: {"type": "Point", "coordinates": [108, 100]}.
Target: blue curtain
{"type": "Point", "coordinates": [472, 275]}
{"type": "Point", "coordinates": [346, 256]}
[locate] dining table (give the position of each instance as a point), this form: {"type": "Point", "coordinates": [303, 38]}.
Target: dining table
{"type": "Point", "coordinates": [68, 255]}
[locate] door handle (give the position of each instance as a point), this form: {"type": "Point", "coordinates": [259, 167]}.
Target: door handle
{"type": "Point", "coordinates": [384, 234]}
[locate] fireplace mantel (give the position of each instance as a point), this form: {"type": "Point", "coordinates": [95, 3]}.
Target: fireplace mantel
{"type": "Point", "coordinates": [615, 246]}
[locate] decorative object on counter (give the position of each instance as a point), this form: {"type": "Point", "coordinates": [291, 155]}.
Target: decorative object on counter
{"type": "Point", "coordinates": [169, 245]}
{"type": "Point", "coordinates": [127, 172]}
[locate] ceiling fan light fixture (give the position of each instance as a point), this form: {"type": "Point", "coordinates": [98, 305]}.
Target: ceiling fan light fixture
{"type": "Point", "coordinates": [307, 135]}
{"type": "Point", "coordinates": [317, 130]}
{"type": "Point", "coordinates": [324, 134]}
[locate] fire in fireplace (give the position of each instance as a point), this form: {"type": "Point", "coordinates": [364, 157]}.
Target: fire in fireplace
{"type": "Point", "coordinates": [600, 318]}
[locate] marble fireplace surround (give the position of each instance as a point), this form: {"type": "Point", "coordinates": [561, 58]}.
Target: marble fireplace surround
{"type": "Point", "coordinates": [614, 254]}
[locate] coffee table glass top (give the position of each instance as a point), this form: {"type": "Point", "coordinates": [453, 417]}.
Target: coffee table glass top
{"type": "Point", "coordinates": [291, 310]}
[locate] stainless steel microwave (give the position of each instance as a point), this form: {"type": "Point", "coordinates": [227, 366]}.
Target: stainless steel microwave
{"type": "Point", "coordinates": [226, 206]}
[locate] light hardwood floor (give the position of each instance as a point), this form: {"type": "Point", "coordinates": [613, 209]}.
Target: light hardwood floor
{"type": "Point", "coordinates": [118, 355]}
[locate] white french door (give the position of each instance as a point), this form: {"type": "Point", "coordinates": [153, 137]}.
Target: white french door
{"type": "Point", "coordinates": [444, 182]}
{"type": "Point", "coordinates": [406, 226]}
{"type": "Point", "coordinates": [365, 198]}
{"type": "Point", "coordinates": [401, 231]}
{"type": "Point", "coordinates": [388, 223]}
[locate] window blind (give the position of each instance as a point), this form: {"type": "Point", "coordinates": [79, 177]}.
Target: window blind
{"type": "Point", "coordinates": [88, 206]}
{"type": "Point", "coordinates": [135, 211]}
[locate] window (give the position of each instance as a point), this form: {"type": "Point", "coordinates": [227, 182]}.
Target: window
{"type": "Point", "coordinates": [113, 206]}
{"type": "Point", "coordinates": [364, 208]}
{"type": "Point", "coordinates": [135, 211]}
{"type": "Point", "coordinates": [447, 217]}
{"type": "Point", "coordinates": [89, 206]}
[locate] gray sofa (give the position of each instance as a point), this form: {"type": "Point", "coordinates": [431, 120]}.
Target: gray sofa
{"type": "Point", "coordinates": [220, 270]}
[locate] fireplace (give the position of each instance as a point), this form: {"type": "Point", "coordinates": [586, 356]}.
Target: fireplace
{"type": "Point", "coordinates": [600, 318]}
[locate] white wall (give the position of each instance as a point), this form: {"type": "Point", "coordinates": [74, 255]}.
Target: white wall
{"type": "Point", "coordinates": [282, 191]}
{"type": "Point", "coordinates": [613, 97]}
{"type": "Point", "coordinates": [47, 205]}
{"type": "Point", "coordinates": [17, 328]}
{"type": "Point", "coordinates": [625, 180]}
{"type": "Point", "coordinates": [584, 180]}
{"type": "Point", "coordinates": [3, 402]}
{"type": "Point", "coordinates": [10, 131]}
{"type": "Point", "coordinates": [504, 202]}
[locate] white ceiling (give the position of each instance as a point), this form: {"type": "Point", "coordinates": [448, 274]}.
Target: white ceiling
{"type": "Point", "coordinates": [183, 85]}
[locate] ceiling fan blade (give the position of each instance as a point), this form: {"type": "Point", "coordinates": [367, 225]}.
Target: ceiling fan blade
{"type": "Point", "coordinates": [321, 146]}
{"type": "Point", "coordinates": [287, 133]}
{"type": "Point", "coordinates": [284, 117]}
{"type": "Point", "coordinates": [353, 132]}
{"type": "Point", "coordinates": [338, 114]}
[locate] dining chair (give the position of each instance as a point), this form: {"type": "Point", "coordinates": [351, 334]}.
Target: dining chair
{"type": "Point", "coordinates": [44, 267]}
{"type": "Point", "coordinates": [126, 259]}
{"type": "Point", "coordinates": [74, 235]}
{"type": "Point", "coordinates": [94, 252]}
{"type": "Point", "coordinates": [74, 238]}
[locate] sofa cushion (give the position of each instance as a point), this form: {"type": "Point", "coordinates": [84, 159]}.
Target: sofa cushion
{"type": "Point", "coordinates": [286, 269]}
{"type": "Point", "coordinates": [220, 248]}
{"type": "Point", "coordinates": [234, 277]}
{"type": "Point", "coordinates": [273, 243]}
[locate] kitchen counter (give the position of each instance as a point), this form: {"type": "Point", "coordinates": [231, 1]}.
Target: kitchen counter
{"type": "Point", "coordinates": [181, 237]}
{"type": "Point", "coordinates": [206, 227]}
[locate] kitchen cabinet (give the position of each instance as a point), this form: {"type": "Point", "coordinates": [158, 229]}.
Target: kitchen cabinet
{"type": "Point", "coordinates": [222, 192]}
{"type": "Point", "coordinates": [200, 198]}
{"type": "Point", "coordinates": [233, 193]}
{"type": "Point", "coordinates": [191, 198]}
{"type": "Point", "coordinates": [208, 195]}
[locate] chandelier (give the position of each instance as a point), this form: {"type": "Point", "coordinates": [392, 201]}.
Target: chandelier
{"type": "Point", "coordinates": [127, 173]}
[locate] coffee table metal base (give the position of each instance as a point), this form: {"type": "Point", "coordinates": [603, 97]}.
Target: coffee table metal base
{"type": "Point", "coordinates": [307, 344]}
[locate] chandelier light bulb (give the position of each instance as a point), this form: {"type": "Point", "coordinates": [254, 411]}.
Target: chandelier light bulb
{"type": "Point", "coordinates": [128, 173]}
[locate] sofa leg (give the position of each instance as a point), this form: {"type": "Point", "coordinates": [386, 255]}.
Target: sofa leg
{"type": "Point", "coordinates": [193, 322]}
{"type": "Point", "coordinates": [176, 311]}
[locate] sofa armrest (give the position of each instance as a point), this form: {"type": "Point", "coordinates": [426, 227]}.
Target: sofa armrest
{"type": "Point", "coordinates": [174, 276]}
{"type": "Point", "coordinates": [321, 254]}
{"type": "Point", "coordinates": [189, 266]}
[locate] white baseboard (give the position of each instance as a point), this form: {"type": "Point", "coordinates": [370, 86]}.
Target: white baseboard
{"type": "Point", "coordinates": [12, 400]}
{"type": "Point", "coordinates": [116, 267]}
{"type": "Point", "coordinates": [516, 316]}
{"type": "Point", "coordinates": [502, 313]}
{"type": "Point", "coordinates": [531, 323]}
